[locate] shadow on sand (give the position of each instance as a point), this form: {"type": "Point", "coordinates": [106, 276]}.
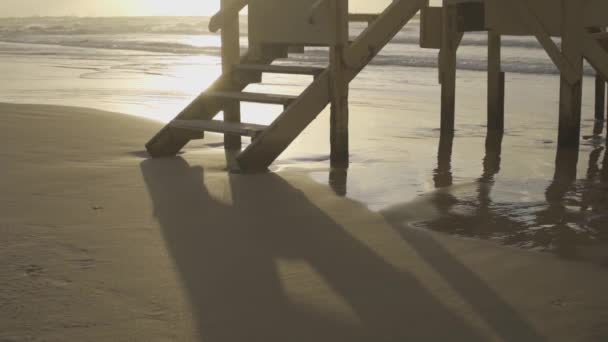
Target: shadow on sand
{"type": "Point", "coordinates": [226, 255]}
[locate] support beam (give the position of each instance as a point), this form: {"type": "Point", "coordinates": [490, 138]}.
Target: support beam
{"type": "Point", "coordinates": [571, 90]}
{"type": "Point", "coordinates": [339, 91]}
{"type": "Point", "coordinates": [600, 97]}
{"type": "Point", "coordinates": [447, 65]}
{"type": "Point", "coordinates": [496, 84]}
{"type": "Point", "coordinates": [231, 54]}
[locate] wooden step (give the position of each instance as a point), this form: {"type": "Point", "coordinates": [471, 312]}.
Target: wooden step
{"type": "Point", "coordinates": [215, 126]}
{"type": "Point", "coordinates": [284, 100]}
{"type": "Point", "coordinates": [280, 69]}
{"type": "Point", "coordinates": [362, 17]}
{"type": "Point", "coordinates": [600, 35]}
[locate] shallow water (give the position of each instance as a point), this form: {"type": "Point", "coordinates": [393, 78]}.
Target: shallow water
{"type": "Point", "coordinates": [516, 189]}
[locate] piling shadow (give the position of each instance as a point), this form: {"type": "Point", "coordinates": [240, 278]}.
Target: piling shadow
{"type": "Point", "coordinates": [226, 253]}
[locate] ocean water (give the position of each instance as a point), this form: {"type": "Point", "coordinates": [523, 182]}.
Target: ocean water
{"type": "Point", "coordinates": [516, 189]}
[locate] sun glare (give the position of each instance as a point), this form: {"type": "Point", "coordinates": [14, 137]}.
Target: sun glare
{"type": "Point", "coordinates": [176, 7]}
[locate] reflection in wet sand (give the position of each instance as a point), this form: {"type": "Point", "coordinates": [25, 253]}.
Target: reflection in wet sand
{"type": "Point", "coordinates": [571, 221]}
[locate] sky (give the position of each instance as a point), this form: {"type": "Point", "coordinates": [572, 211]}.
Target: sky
{"type": "Point", "coordinates": [24, 8]}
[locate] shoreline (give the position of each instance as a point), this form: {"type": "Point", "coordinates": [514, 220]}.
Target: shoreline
{"type": "Point", "coordinates": [103, 244]}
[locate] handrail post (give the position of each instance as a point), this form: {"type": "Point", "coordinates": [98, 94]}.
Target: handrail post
{"type": "Point", "coordinates": [339, 88]}
{"type": "Point", "coordinates": [231, 54]}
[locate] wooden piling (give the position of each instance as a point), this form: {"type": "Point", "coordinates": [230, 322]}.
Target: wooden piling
{"type": "Point", "coordinates": [496, 84]}
{"type": "Point", "coordinates": [571, 91]}
{"type": "Point", "coordinates": [442, 175]}
{"type": "Point", "coordinates": [339, 137]}
{"type": "Point", "coordinates": [600, 97]}
{"type": "Point", "coordinates": [447, 65]}
{"type": "Point", "coordinates": [231, 54]}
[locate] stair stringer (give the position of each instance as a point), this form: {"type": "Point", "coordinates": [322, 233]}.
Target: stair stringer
{"type": "Point", "coordinates": [169, 140]}
{"type": "Point", "coordinates": [286, 128]}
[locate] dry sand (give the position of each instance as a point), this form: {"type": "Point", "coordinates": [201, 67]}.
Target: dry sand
{"type": "Point", "coordinates": [101, 244]}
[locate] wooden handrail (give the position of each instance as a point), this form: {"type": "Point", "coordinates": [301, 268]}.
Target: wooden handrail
{"type": "Point", "coordinates": [219, 20]}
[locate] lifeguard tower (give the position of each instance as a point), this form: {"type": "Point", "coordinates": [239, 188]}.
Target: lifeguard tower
{"type": "Point", "coordinates": [278, 28]}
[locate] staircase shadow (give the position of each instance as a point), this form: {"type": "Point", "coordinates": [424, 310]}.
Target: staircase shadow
{"type": "Point", "coordinates": [226, 256]}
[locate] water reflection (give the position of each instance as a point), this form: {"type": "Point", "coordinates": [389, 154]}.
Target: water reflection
{"type": "Point", "coordinates": [571, 220]}
{"type": "Point", "coordinates": [442, 176]}
{"type": "Point", "coordinates": [337, 181]}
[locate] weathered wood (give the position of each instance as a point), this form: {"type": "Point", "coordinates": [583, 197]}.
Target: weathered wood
{"type": "Point", "coordinates": [470, 16]}
{"type": "Point", "coordinates": [339, 113]}
{"type": "Point", "coordinates": [215, 126]}
{"type": "Point", "coordinates": [447, 66]}
{"type": "Point", "coordinates": [226, 15]}
{"type": "Point", "coordinates": [504, 19]}
{"type": "Point", "coordinates": [280, 69]}
{"type": "Point", "coordinates": [600, 97]}
{"type": "Point", "coordinates": [283, 100]}
{"type": "Point", "coordinates": [167, 142]}
{"type": "Point", "coordinates": [571, 90]}
{"type": "Point", "coordinates": [362, 17]}
{"type": "Point", "coordinates": [596, 54]}
{"type": "Point", "coordinates": [275, 139]}
{"type": "Point", "coordinates": [292, 23]}
{"type": "Point", "coordinates": [379, 33]}
{"type": "Point", "coordinates": [496, 84]}
{"type": "Point", "coordinates": [529, 18]}
{"type": "Point", "coordinates": [231, 55]}
{"type": "Point", "coordinates": [272, 142]}
{"type": "Point", "coordinates": [431, 27]}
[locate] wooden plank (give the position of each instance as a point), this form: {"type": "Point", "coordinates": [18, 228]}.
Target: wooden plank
{"type": "Point", "coordinates": [504, 19]}
{"type": "Point", "coordinates": [227, 13]}
{"type": "Point", "coordinates": [496, 84]}
{"type": "Point", "coordinates": [339, 114]}
{"type": "Point", "coordinates": [284, 100]}
{"type": "Point", "coordinates": [571, 92]}
{"type": "Point", "coordinates": [168, 142]}
{"type": "Point", "coordinates": [274, 140]}
{"type": "Point", "coordinates": [470, 16]}
{"type": "Point", "coordinates": [280, 69]}
{"type": "Point", "coordinates": [362, 17]}
{"type": "Point", "coordinates": [431, 27]}
{"type": "Point", "coordinates": [600, 97]}
{"type": "Point", "coordinates": [596, 55]}
{"type": "Point", "coordinates": [231, 55]}
{"type": "Point", "coordinates": [241, 129]}
{"type": "Point", "coordinates": [288, 22]}
{"type": "Point", "coordinates": [600, 35]}
{"type": "Point", "coordinates": [379, 33]}
{"type": "Point", "coordinates": [529, 17]}
{"type": "Point", "coordinates": [447, 68]}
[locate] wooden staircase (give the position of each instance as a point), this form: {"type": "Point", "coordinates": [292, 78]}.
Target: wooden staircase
{"type": "Point", "coordinates": [329, 85]}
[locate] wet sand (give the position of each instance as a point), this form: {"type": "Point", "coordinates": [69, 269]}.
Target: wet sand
{"type": "Point", "coordinates": [100, 243]}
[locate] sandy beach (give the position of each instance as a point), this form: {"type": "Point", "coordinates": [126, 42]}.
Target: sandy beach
{"type": "Point", "coordinates": [100, 243]}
